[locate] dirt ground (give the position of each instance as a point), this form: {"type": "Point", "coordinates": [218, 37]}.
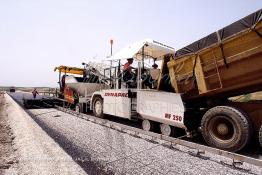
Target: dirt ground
{"type": "Point", "coordinates": [7, 158]}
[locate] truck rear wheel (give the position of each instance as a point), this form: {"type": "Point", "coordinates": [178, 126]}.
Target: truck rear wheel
{"type": "Point", "coordinates": [226, 128]}
{"type": "Point", "coordinates": [98, 107]}
{"type": "Point", "coordinates": [260, 136]}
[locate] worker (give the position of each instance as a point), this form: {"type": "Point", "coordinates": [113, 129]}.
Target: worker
{"type": "Point", "coordinates": [86, 73]}
{"type": "Point", "coordinates": [127, 65]}
{"type": "Point", "coordinates": [154, 74]}
{"type": "Point", "coordinates": [128, 75]}
{"type": "Point", "coordinates": [34, 92]}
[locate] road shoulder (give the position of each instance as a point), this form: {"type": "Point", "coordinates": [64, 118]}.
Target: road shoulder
{"type": "Point", "coordinates": [37, 153]}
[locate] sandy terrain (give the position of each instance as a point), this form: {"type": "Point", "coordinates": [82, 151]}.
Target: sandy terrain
{"type": "Point", "coordinates": [7, 153]}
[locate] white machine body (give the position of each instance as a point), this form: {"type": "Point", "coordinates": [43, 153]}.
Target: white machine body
{"type": "Point", "coordinates": [146, 104]}
{"type": "Point", "coordinates": [117, 103]}
{"type": "Point", "coordinates": [162, 107]}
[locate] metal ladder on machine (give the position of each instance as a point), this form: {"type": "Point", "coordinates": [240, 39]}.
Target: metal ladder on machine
{"type": "Point", "coordinates": [133, 106]}
{"type": "Point", "coordinates": [215, 75]}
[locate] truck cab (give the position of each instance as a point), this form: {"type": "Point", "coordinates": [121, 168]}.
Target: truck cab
{"type": "Point", "coordinates": [12, 89]}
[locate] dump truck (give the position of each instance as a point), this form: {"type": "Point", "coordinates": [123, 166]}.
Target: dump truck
{"type": "Point", "coordinates": [209, 71]}
{"type": "Point", "coordinates": [12, 89]}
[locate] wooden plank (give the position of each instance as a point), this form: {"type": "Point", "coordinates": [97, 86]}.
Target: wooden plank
{"type": "Point", "coordinates": [199, 74]}
{"type": "Point", "coordinates": [172, 75]}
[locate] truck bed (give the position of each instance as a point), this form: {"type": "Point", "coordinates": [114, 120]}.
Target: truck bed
{"type": "Point", "coordinates": [225, 63]}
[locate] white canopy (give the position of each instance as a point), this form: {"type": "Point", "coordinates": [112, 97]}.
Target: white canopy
{"type": "Point", "coordinates": [152, 49]}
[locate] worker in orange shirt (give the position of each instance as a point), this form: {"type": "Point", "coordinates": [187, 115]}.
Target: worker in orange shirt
{"type": "Point", "coordinates": [128, 75]}
{"type": "Point", "coordinates": [127, 65]}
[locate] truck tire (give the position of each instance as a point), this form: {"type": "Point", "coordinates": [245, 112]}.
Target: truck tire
{"type": "Point", "coordinates": [98, 107]}
{"type": "Point", "coordinates": [260, 136]}
{"type": "Point", "coordinates": [226, 128]}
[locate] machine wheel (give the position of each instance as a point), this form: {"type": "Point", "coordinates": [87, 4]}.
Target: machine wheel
{"type": "Point", "coordinates": [148, 125]}
{"type": "Point", "coordinates": [260, 136]}
{"type": "Point", "coordinates": [226, 128]}
{"type": "Point", "coordinates": [78, 108]}
{"type": "Point", "coordinates": [166, 130]}
{"type": "Point", "coordinates": [98, 107]}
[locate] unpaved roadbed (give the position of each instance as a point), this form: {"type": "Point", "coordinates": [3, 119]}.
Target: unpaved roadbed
{"type": "Point", "coordinates": [101, 150]}
{"type": "Point", "coordinates": [37, 153]}
{"type": "Point", "coordinates": [8, 160]}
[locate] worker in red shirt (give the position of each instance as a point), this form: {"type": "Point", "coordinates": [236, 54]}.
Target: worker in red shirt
{"type": "Point", "coordinates": [127, 65]}
{"type": "Point", "coordinates": [34, 92]}
{"type": "Point", "coordinates": [128, 75]}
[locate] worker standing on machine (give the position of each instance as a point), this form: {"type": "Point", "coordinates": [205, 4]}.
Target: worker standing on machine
{"type": "Point", "coordinates": [34, 92]}
{"type": "Point", "coordinates": [127, 65]}
{"type": "Point", "coordinates": [128, 75]}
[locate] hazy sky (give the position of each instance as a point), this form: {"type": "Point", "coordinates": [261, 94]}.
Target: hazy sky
{"type": "Point", "coordinates": [37, 35]}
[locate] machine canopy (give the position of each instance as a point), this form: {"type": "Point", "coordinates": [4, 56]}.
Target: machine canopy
{"type": "Point", "coordinates": [152, 49]}
{"type": "Point", "coordinates": [70, 70]}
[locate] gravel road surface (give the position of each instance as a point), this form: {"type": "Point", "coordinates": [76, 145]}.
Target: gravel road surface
{"type": "Point", "coordinates": [101, 150]}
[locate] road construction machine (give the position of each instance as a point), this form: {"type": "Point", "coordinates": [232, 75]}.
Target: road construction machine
{"type": "Point", "coordinates": [194, 88]}
{"type": "Point", "coordinates": [77, 85]}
